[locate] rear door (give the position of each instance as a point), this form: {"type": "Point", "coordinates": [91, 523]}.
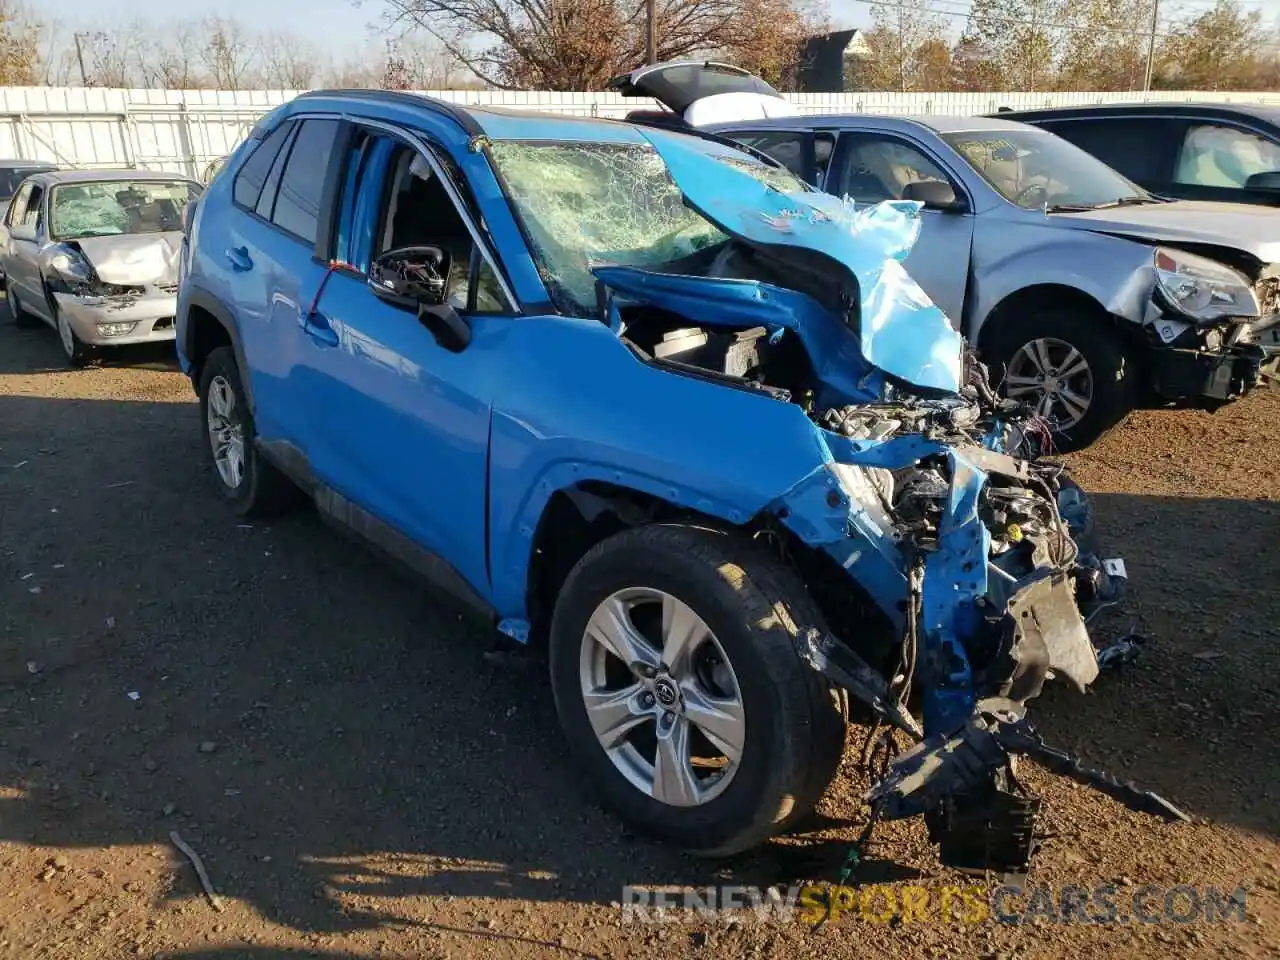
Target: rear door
{"type": "Point", "coordinates": [871, 167]}
{"type": "Point", "coordinates": [806, 154]}
{"type": "Point", "coordinates": [274, 267]}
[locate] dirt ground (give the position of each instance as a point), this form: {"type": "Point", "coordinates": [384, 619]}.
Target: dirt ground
{"type": "Point", "coordinates": [361, 780]}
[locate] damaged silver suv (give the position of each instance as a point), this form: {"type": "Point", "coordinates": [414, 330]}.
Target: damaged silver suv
{"type": "Point", "coordinates": [1085, 294]}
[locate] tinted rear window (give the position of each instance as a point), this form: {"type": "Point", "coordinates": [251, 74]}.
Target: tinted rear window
{"type": "Point", "coordinates": [12, 176]}
{"type": "Point", "coordinates": [253, 174]}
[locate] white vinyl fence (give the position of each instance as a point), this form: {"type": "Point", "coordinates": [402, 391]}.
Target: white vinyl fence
{"type": "Point", "coordinates": [182, 130]}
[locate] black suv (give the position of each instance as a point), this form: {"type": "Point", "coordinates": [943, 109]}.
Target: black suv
{"type": "Point", "coordinates": [1191, 151]}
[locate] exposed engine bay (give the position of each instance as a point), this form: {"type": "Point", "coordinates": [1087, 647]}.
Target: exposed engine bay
{"type": "Point", "coordinates": [977, 552]}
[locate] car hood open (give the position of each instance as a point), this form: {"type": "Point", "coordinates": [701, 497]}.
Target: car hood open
{"type": "Point", "coordinates": [1240, 226]}
{"type": "Point", "coordinates": [838, 254]}
{"type": "Point", "coordinates": [133, 259]}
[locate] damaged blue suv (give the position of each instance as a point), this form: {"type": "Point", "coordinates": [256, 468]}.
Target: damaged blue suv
{"type": "Point", "coordinates": [651, 400]}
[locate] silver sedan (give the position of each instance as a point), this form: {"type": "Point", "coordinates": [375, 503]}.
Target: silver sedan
{"type": "Point", "coordinates": [94, 255]}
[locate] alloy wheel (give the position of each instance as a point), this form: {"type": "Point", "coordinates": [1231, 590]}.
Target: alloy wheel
{"type": "Point", "coordinates": [1055, 377]}
{"type": "Point", "coordinates": [662, 697]}
{"type": "Point", "coordinates": [226, 434]}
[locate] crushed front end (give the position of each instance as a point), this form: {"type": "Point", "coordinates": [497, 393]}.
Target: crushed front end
{"type": "Point", "coordinates": [951, 563]}
{"type": "Point", "coordinates": [979, 555]}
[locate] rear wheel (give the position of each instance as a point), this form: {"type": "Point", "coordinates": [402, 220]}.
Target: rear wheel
{"type": "Point", "coordinates": [1071, 367]}
{"type": "Point", "coordinates": [17, 314]}
{"type": "Point", "coordinates": [680, 691]}
{"type": "Point", "coordinates": [252, 485]}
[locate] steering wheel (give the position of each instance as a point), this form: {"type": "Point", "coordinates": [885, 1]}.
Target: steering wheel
{"type": "Point", "coordinates": [1023, 196]}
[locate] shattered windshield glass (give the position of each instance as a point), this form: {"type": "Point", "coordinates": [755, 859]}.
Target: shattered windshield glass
{"type": "Point", "coordinates": [586, 204]}
{"type": "Point", "coordinates": [114, 207]}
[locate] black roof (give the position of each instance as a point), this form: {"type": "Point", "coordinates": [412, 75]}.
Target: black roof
{"type": "Point", "coordinates": [1240, 111]}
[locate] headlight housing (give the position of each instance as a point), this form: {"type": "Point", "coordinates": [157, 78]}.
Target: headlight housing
{"type": "Point", "coordinates": [72, 273]}
{"type": "Point", "coordinates": [1203, 289]}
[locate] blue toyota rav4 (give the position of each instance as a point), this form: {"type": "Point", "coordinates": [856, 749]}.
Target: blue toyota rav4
{"type": "Point", "coordinates": [651, 400]}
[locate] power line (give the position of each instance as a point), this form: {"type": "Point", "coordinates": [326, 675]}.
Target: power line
{"type": "Point", "coordinates": [968, 14]}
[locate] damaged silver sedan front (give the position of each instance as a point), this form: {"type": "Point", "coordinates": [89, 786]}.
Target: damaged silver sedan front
{"type": "Point", "coordinates": [94, 255]}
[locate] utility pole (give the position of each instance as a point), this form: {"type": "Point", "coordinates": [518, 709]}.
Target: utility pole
{"type": "Point", "coordinates": [1151, 44]}
{"type": "Point", "coordinates": [651, 30]}
{"type": "Point", "coordinates": [84, 76]}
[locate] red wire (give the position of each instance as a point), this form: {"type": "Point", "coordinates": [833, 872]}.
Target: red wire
{"type": "Point", "coordinates": [333, 265]}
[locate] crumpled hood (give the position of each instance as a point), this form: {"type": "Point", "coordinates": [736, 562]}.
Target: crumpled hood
{"type": "Point", "coordinates": [831, 248]}
{"type": "Point", "coordinates": [132, 260]}
{"type": "Point", "coordinates": [1242, 226]}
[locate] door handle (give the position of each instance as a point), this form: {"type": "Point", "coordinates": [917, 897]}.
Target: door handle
{"type": "Point", "coordinates": [239, 258]}
{"type": "Point", "coordinates": [316, 326]}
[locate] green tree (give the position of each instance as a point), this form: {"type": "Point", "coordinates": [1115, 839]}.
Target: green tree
{"type": "Point", "coordinates": [903, 48]}
{"type": "Point", "coordinates": [1020, 40]}
{"type": "Point", "coordinates": [1223, 48]}
{"type": "Point", "coordinates": [1106, 49]}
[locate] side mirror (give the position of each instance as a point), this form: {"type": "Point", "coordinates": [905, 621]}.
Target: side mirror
{"type": "Point", "coordinates": [417, 278]}
{"type": "Point", "coordinates": [934, 194]}
{"type": "Point", "coordinates": [410, 277]}
{"type": "Point", "coordinates": [1269, 181]}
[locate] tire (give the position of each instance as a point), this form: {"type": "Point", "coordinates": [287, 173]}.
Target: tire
{"type": "Point", "coordinates": [77, 352]}
{"type": "Point", "coordinates": [259, 490]}
{"type": "Point", "coordinates": [1113, 379]}
{"type": "Point", "coordinates": [19, 316]}
{"type": "Point", "coordinates": [754, 607]}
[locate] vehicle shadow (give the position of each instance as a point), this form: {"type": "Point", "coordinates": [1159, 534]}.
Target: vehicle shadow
{"type": "Point", "coordinates": [36, 350]}
{"type": "Point", "coordinates": [336, 744]}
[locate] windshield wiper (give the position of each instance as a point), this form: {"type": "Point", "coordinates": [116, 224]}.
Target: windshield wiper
{"type": "Point", "coordinates": [1104, 205]}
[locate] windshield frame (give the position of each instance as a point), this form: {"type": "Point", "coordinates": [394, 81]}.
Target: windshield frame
{"type": "Point", "coordinates": [193, 186]}
{"type": "Point", "coordinates": [564, 302]}
{"type": "Point", "coordinates": [950, 137]}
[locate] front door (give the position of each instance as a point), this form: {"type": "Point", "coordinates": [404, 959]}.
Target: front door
{"type": "Point", "coordinates": [871, 167]}
{"type": "Point", "coordinates": [399, 422]}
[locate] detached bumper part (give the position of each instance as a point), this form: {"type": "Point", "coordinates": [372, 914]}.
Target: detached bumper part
{"type": "Point", "coordinates": [1215, 372]}
{"type": "Point", "coordinates": [954, 780]}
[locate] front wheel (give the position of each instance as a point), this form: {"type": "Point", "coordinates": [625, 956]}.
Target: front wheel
{"type": "Point", "coordinates": [1071, 367]}
{"type": "Point", "coordinates": [680, 691]}
{"type": "Point", "coordinates": [77, 352]}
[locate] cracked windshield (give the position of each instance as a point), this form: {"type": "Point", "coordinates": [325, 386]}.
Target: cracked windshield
{"type": "Point", "coordinates": [113, 207]}
{"type": "Point", "coordinates": [588, 204]}
{"type": "Point", "coordinates": [1034, 169]}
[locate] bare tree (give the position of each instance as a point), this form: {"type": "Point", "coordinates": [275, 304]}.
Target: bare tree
{"type": "Point", "coordinates": [229, 52]}
{"type": "Point", "coordinates": [112, 58]}
{"type": "Point", "coordinates": [175, 61]}
{"type": "Point", "coordinates": [287, 62]}
{"type": "Point", "coordinates": [579, 44]}
{"type": "Point", "coordinates": [20, 35]}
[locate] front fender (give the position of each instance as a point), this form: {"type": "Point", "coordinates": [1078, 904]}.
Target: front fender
{"type": "Point", "coordinates": [589, 409]}
{"type": "Point", "coordinates": [1115, 272]}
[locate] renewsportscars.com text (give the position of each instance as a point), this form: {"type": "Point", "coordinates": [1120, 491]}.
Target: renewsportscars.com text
{"type": "Point", "coordinates": [906, 903]}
